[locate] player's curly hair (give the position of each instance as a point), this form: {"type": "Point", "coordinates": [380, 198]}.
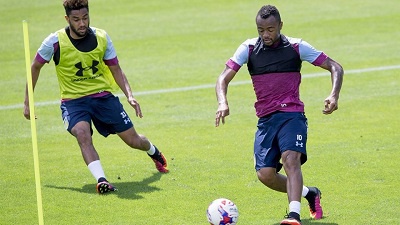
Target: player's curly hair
{"type": "Point", "coordinates": [269, 10]}
{"type": "Point", "coordinates": [70, 5]}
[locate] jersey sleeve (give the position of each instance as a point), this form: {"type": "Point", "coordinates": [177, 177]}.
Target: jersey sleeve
{"type": "Point", "coordinates": [110, 51]}
{"type": "Point", "coordinates": [310, 54]}
{"type": "Point", "coordinates": [47, 48]}
{"type": "Point", "coordinates": [241, 55]}
{"type": "Point", "coordinates": [110, 56]}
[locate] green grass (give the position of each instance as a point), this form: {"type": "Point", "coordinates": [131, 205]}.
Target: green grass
{"type": "Point", "coordinates": [163, 45]}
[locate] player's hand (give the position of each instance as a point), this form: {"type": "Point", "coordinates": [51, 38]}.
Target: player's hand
{"type": "Point", "coordinates": [222, 112]}
{"type": "Point", "coordinates": [331, 104]}
{"type": "Point", "coordinates": [132, 101]}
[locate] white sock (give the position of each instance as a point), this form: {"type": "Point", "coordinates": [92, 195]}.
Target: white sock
{"type": "Point", "coordinates": [305, 191]}
{"type": "Point", "coordinates": [96, 169]}
{"type": "Point", "coordinates": [152, 149]}
{"type": "Point", "coordinates": [294, 206]}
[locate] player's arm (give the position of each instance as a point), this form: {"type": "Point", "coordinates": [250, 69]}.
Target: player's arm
{"type": "Point", "coordinates": [336, 70]}
{"type": "Point", "coordinates": [111, 60]}
{"type": "Point", "coordinates": [36, 66]}
{"type": "Point", "coordinates": [123, 84]}
{"type": "Point", "coordinates": [221, 90]}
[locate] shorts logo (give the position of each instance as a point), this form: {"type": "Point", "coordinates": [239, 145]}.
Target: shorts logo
{"type": "Point", "coordinates": [299, 141]}
{"type": "Point", "coordinates": [81, 69]}
{"type": "Point", "coordinates": [125, 117]}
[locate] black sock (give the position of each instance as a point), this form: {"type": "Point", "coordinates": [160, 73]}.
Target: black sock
{"type": "Point", "coordinates": [157, 156]}
{"type": "Point", "coordinates": [101, 179]}
{"type": "Point", "coordinates": [294, 216]}
{"type": "Point", "coordinates": [156, 152]}
{"type": "Point", "coordinates": [311, 194]}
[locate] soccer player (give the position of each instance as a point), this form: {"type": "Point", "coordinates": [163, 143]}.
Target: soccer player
{"type": "Point", "coordinates": [274, 62]}
{"type": "Point", "coordinates": [88, 71]}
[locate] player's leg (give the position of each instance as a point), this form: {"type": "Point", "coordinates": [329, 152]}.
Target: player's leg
{"type": "Point", "coordinates": [110, 118]}
{"type": "Point", "coordinates": [138, 141]}
{"type": "Point", "coordinates": [135, 140]}
{"type": "Point", "coordinates": [292, 138]}
{"type": "Point", "coordinates": [82, 133]}
{"type": "Point", "coordinates": [270, 178]}
{"type": "Point", "coordinates": [294, 186]}
{"type": "Point", "coordinates": [77, 120]}
{"type": "Point", "coordinates": [292, 166]}
{"type": "Point", "coordinates": [270, 138]}
{"type": "Point", "coordinates": [267, 154]}
{"type": "Point", "coordinates": [276, 181]}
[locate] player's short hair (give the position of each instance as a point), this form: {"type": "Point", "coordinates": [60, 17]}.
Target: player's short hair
{"type": "Point", "coordinates": [269, 10]}
{"type": "Point", "coordinates": [70, 5]}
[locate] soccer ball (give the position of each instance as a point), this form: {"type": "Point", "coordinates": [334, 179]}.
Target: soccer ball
{"type": "Point", "coordinates": [222, 211]}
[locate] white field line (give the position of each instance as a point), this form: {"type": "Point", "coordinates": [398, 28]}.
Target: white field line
{"type": "Point", "coordinates": [205, 86]}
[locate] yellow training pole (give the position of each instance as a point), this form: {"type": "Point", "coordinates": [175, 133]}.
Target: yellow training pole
{"type": "Point", "coordinates": [33, 122]}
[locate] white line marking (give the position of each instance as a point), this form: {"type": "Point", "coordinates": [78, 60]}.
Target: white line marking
{"type": "Point", "coordinates": [205, 86]}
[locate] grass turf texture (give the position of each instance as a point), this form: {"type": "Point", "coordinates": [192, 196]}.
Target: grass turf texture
{"type": "Point", "coordinates": [164, 45]}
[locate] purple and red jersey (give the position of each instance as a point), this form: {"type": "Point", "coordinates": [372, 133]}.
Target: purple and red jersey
{"type": "Point", "coordinates": [275, 71]}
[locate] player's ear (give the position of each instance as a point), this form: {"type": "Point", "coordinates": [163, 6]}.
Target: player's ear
{"type": "Point", "coordinates": [66, 18]}
{"type": "Point", "coordinates": [281, 25]}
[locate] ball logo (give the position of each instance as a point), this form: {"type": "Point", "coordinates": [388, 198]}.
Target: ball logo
{"type": "Point", "coordinates": [222, 212]}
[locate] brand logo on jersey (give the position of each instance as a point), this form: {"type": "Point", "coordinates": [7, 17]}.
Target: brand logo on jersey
{"type": "Point", "coordinates": [81, 69]}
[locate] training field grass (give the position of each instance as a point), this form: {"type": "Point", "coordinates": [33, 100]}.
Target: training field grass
{"type": "Point", "coordinates": [172, 53]}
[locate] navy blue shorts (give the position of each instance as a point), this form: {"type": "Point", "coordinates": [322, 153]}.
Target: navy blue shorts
{"type": "Point", "coordinates": [277, 133]}
{"type": "Point", "coordinates": [106, 113]}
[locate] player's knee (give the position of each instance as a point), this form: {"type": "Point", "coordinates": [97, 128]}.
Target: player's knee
{"type": "Point", "coordinates": [291, 160]}
{"type": "Point", "coordinates": [81, 129]}
{"type": "Point", "coordinates": [78, 132]}
{"type": "Point", "coordinates": [267, 176]}
{"type": "Point", "coordinates": [83, 136]}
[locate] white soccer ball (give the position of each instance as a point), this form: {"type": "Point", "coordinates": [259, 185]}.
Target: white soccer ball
{"type": "Point", "coordinates": [222, 211]}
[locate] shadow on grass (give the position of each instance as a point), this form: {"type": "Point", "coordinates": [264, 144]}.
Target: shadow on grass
{"type": "Point", "coordinates": [312, 222]}
{"type": "Point", "coordinates": [126, 190]}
